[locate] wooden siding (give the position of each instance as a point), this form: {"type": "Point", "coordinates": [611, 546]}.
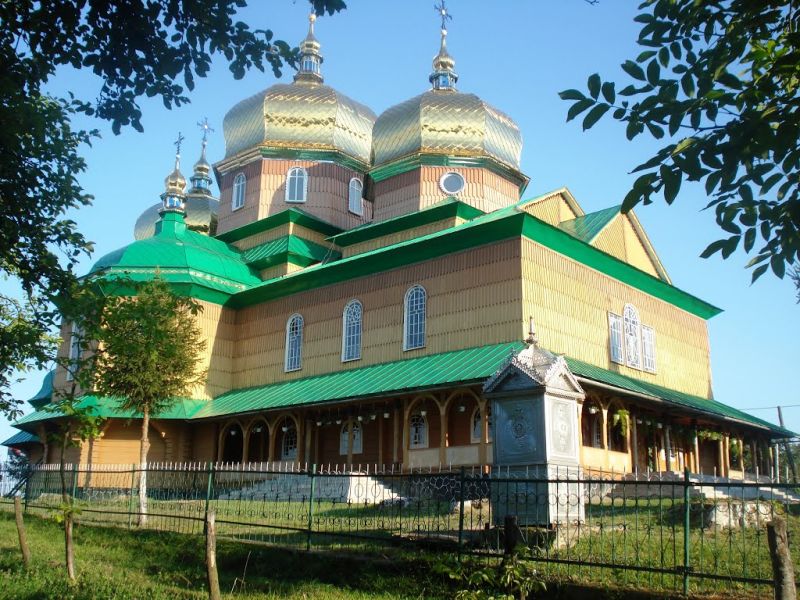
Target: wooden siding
{"type": "Point", "coordinates": [553, 209]}
{"type": "Point", "coordinates": [265, 195]}
{"type": "Point", "coordinates": [419, 188]}
{"type": "Point", "coordinates": [473, 299]}
{"type": "Point", "coordinates": [217, 328]}
{"type": "Point", "coordinates": [570, 303]}
{"type": "Point", "coordinates": [263, 237]}
{"type": "Point", "coordinates": [400, 236]}
{"type": "Point", "coordinates": [620, 239]}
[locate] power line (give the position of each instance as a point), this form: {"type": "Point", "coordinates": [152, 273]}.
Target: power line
{"type": "Point", "coordinates": [771, 407]}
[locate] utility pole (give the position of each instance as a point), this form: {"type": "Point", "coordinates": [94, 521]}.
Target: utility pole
{"type": "Point", "coordinates": [788, 448]}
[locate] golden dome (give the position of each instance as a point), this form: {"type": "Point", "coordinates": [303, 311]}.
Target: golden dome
{"type": "Point", "coordinates": [201, 216]}
{"type": "Point", "coordinates": [303, 115]}
{"type": "Point", "coordinates": [449, 123]}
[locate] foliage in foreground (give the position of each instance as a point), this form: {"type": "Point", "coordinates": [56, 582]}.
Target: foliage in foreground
{"type": "Point", "coordinates": [721, 80]}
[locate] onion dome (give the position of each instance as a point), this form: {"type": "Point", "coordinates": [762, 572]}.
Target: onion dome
{"type": "Point", "coordinates": [199, 205]}
{"type": "Point", "coordinates": [446, 122]}
{"type": "Point", "coordinates": [172, 199]}
{"type": "Point", "coordinates": [302, 115]}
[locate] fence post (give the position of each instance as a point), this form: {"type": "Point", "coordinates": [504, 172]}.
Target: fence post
{"type": "Point", "coordinates": [130, 496]}
{"type": "Point", "coordinates": [28, 486]}
{"type": "Point", "coordinates": [23, 538]}
{"type": "Point", "coordinates": [461, 510]}
{"type": "Point", "coordinates": [211, 557]}
{"type": "Point", "coordinates": [686, 524]}
{"type": "Point", "coordinates": [311, 506]}
{"type": "Point", "coordinates": [74, 481]}
{"type": "Point", "coordinates": [209, 486]}
{"type": "Point", "coordinates": [782, 568]}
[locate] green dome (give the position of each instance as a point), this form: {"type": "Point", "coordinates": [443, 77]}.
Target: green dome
{"type": "Point", "coordinates": [204, 267]}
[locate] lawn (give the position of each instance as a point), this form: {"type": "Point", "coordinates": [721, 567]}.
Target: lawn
{"type": "Point", "coordinates": [121, 564]}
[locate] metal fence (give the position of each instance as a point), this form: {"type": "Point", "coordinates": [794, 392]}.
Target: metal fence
{"type": "Point", "coordinates": [658, 531]}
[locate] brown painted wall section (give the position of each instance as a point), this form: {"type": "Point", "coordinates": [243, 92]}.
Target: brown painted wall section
{"type": "Point", "coordinates": [265, 193]}
{"type": "Point", "coordinates": [419, 188]}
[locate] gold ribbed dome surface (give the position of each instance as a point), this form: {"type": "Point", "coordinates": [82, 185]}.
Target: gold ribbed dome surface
{"type": "Point", "coordinates": [300, 115]}
{"type": "Point", "coordinates": [201, 216]}
{"type": "Point", "coordinates": [449, 123]}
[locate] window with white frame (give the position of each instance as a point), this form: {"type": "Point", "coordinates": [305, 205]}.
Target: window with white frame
{"type": "Point", "coordinates": [294, 343]}
{"type": "Point", "coordinates": [630, 342]}
{"type": "Point", "coordinates": [418, 428]}
{"type": "Point", "coordinates": [351, 331]}
{"type": "Point", "coordinates": [344, 438]}
{"type": "Point", "coordinates": [239, 188]}
{"type": "Point", "coordinates": [296, 184]}
{"type": "Point", "coordinates": [289, 443]}
{"type": "Point", "coordinates": [354, 194]}
{"type": "Point", "coordinates": [75, 350]}
{"type": "Point", "coordinates": [649, 348]}
{"type": "Point", "coordinates": [615, 338]}
{"type": "Point", "coordinates": [477, 427]}
{"type": "Point", "coordinates": [633, 337]}
{"type": "Point", "coordinates": [414, 321]}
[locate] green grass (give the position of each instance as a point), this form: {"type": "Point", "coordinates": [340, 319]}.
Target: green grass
{"type": "Point", "coordinates": [120, 564]}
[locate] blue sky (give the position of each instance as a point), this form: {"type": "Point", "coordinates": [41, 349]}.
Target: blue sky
{"type": "Point", "coordinates": [517, 55]}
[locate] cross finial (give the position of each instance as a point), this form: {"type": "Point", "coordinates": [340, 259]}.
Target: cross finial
{"type": "Point", "coordinates": [205, 128]}
{"type": "Point", "coordinates": [532, 339]}
{"type": "Point", "coordinates": [178, 143]}
{"type": "Point", "coordinates": [441, 8]}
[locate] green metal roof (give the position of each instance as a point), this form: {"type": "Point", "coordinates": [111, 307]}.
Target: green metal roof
{"type": "Point", "coordinates": [182, 257]}
{"type": "Point", "coordinates": [45, 393]}
{"type": "Point", "coordinates": [449, 207]}
{"type": "Point", "coordinates": [19, 438]}
{"type": "Point", "coordinates": [470, 365]}
{"type": "Point", "coordinates": [680, 399]}
{"type": "Point", "coordinates": [291, 215]}
{"type": "Point", "coordinates": [289, 248]}
{"type": "Point", "coordinates": [587, 227]}
{"type": "Point", "coordinates": [108, 408]}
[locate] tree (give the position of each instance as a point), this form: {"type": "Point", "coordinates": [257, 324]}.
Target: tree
{"type": "Point", "coordinates": [153, 48]}
{"type": "Point", "coordinates": [720, 80]}
{"type": "Point", "coordinates": [147, 356]}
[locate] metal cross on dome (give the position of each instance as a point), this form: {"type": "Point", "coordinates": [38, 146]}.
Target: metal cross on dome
{"type": "Point", "coordinates": [178, 143]}
{"type": "Point", "coordinates": [441, 8]}
{"type": "Point", "coordinates": [205, 128]}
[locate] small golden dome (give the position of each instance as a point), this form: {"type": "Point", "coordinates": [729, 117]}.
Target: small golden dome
{"type": "Point", "coordinates": [303, 115]}
{"type": "Point", "coordinates": [201, 216]}
{"type": "Point", "coordinates": [449, 123]}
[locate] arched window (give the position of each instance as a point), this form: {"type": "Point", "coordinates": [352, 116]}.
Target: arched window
{"type": "Point", "coordinates": [289, 441]}
{"type": "Point", "coordinates": [239, 188]}
{"type": "Point", "coordinates": [344, 436]}
{"type": "Point", "coordinates": [354, 195]}
{"type": "Point", "coordinates": [414, 322]}
{"type": "Point", "coordinates": [296, 184]}
{"type": "Point", "coordinates": [633, 337]}
{"type": "Point", "coordinates": [294, 343]}
{"type": "Point", "coordinates": [592, 425]}
{"type": "Point", "coordinates": [418, 427]}
{"type": "Point", "coordinates": [351, 331]}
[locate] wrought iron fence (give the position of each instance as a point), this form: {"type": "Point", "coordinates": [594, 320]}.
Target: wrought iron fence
{"type": "Point", "coordinates": [659, 531]}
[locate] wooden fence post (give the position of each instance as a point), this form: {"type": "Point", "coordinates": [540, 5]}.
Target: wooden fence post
{"type": "Point", "coordinates": [782, 568]}
{"type": "Point", "coordinates": [211, 557]}
{"type": "Point", "coordinates": [23, 539]}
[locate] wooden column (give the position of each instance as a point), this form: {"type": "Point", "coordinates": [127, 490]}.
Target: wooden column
{"type": "Point", "coordinates": [405, 434]}
{"type": "Point", "coordinates": [395, 435]}
{"type": "Point", "coordinates": [482, 458]}
{"type": "Point", "coordinates": [272, 431]}
{"type": "Point", "coordinates": [245, 444]}
{"type": "Point", "coordinates": [380, 423]}
{"type": "Point", "coordinates": [442, 434]}
{"type": "Point", "coordinates": [350, 440]}
{"type": "Point", "coordinates": [634, 442]}
{"type": "Point", "coordinates": [308, 433]}
{"type": "Point", "coordinates": [667, 448]}
{"type": "Point", "coordinates": [301, 450]}
{"type": "Point", "coordinates": [696, 451]}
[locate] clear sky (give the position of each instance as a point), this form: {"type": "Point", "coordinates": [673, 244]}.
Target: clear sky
{"type": "Point", "coordinates": [517, 55]}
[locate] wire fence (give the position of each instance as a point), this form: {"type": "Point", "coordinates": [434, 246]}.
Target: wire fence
{"type": "Point", "coordinates": [660, 531]}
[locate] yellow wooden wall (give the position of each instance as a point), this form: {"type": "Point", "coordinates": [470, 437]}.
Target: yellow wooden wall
{"type": "Point", "coordinates": [570, 302]}
{"type": "Point", "coordinates": [620, 239]}
{"type": "Point", "coordinates": [280, 231]}
{"type": "Point", "coordinates": [473, 300]}
{"type": "Point", "coordinates": [552, 209]}
{"type": "Point", "coordinates": [400, 236]}
{"type": "Point", "coordinates": [217, 328]}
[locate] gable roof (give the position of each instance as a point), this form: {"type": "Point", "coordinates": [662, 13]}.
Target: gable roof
{"type": "Point", "coordinates": [588, 226]}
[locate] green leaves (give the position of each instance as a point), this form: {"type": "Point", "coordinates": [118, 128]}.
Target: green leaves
{"type": "Point", "coordinates": [725, 77]}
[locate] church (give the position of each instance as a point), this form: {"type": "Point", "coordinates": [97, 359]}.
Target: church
{"type": "Point", "coordinates": [366, 280]}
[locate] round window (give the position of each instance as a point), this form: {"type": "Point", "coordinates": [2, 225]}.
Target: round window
{"type": "Point", "coordinates": [451, 183]}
